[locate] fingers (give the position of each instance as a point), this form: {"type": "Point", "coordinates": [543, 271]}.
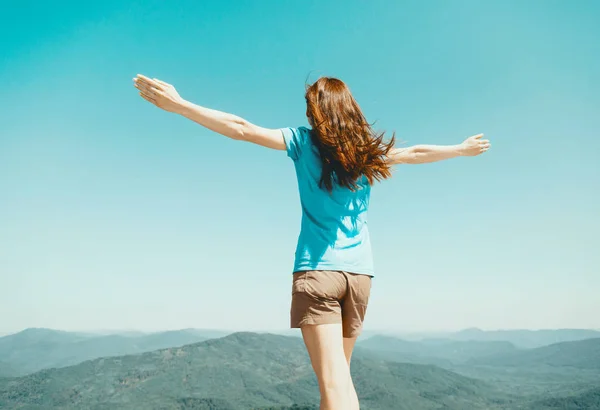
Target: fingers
{"type": "Point", "coordinates": [479, 146]}
{"type": "Point", "coordinates": [148, 89]}
{"type": "Point", "coordinates": [146, 84]}
{"type": "Point", "coordinates": [152, 90]}
{"type": "Point", "coordinates": [143, 79]}
{"type": "Point", "coordinates": [149, 82]}
{"type": "Point", "coordinates": [147, 92]}
{"type": "Point", "coordinates": [148, 98]}
{"type": "Point", "coordinates": [161, 82]}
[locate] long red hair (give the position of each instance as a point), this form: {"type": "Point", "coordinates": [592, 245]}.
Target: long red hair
{"type": "Point", "coordinates": [348, 146]}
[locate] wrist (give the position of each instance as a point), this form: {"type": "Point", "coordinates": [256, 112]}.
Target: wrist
{"type": "Point", "coordinates": [460, 149]}
{"type": "Point", "coordinates": [182, 107]}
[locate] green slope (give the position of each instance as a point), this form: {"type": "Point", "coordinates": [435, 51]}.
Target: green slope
{"type": "Point", "coordinates": [557, 369]}
{"type": "Point", "coordinates": [240, 371]}
{"type": "Point", "coordinates": [589, 399]}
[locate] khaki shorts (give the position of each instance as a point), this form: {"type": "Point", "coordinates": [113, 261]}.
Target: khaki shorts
{"type": "Point", "coordinates": [325, 297]}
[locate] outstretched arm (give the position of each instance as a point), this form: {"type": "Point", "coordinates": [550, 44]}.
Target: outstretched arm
{"type": "Point", "coordinates": [164, 96]}
{"type": "Point", "coordinates": [422, 154]}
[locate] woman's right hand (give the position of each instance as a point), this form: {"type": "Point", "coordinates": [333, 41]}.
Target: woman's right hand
{"type": "Point", "coordinates": [474, 146]}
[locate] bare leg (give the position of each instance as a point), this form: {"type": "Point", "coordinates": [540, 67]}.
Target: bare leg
{"type": "Point", "coordinates": [348, 348]}
{"type": "Point", "coordinates": [326, 350]}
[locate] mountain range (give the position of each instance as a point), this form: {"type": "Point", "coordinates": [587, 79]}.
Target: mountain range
{"type": "Point", "coordinates": [207, 369]}
{"type": "Point", "coordinates": [522, 338]}
{"type": "Point", "coordinates": [36, 349]}
{"type": "Point", "coordinates": [239, 371]}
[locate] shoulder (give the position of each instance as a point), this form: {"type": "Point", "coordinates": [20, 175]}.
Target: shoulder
{"type": "Point", "coordinates": [296, 139]}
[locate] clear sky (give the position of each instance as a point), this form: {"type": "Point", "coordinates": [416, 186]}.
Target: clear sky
{"type": "Point", "coordinates": [114, 214]}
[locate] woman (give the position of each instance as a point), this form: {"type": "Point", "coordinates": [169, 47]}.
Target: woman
{"type": "Point", "coordinates": [336, 162]}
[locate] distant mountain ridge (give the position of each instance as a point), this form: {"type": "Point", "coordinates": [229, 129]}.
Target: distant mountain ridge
{"type": "Point", "coordinates": [522, 338]}
{"type": "Point", "coordinates": [581, 354]}
{"type": "Point", "coordinates": [441, 352]}
{"type": "Point", "coordinates": [35, 349]}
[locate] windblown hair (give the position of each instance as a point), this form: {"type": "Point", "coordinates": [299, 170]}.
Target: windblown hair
{"type": "Point", "coordinates": [348, 146]}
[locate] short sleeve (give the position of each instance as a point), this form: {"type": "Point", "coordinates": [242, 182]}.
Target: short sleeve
{"type": "Point", "coordinates": [295, 141]}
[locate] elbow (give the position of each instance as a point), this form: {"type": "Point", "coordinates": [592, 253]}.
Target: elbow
{"type": "Point", "coordinates": [419, 154]}
{"type": "Point", "coordinates": [241, 130]}
{"type": "Point", "coordinates": [413, 156]}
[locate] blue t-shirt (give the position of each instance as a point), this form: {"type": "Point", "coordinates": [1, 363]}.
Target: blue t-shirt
{"type": "Point", "coordinates": [334, 234]}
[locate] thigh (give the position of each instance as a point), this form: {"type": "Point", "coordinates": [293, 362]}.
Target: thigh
{"type": "Point", "coordinates": [355, 304]}
{"type": "Point", "coordinates": [326, 351]}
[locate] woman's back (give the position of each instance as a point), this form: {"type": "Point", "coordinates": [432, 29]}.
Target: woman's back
{"type": "Point", "coordinates": [334, 233]}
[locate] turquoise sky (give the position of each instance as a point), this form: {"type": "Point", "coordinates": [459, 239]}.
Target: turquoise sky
{"type": "Point", "coordinates": [114, 214]}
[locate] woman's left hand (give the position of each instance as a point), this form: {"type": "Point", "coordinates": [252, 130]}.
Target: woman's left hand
{"type": "Point", "coordinates": [159, 93]}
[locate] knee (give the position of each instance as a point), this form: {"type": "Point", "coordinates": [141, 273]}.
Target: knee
{"type": "Point", "coordinates": [335, 386]}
